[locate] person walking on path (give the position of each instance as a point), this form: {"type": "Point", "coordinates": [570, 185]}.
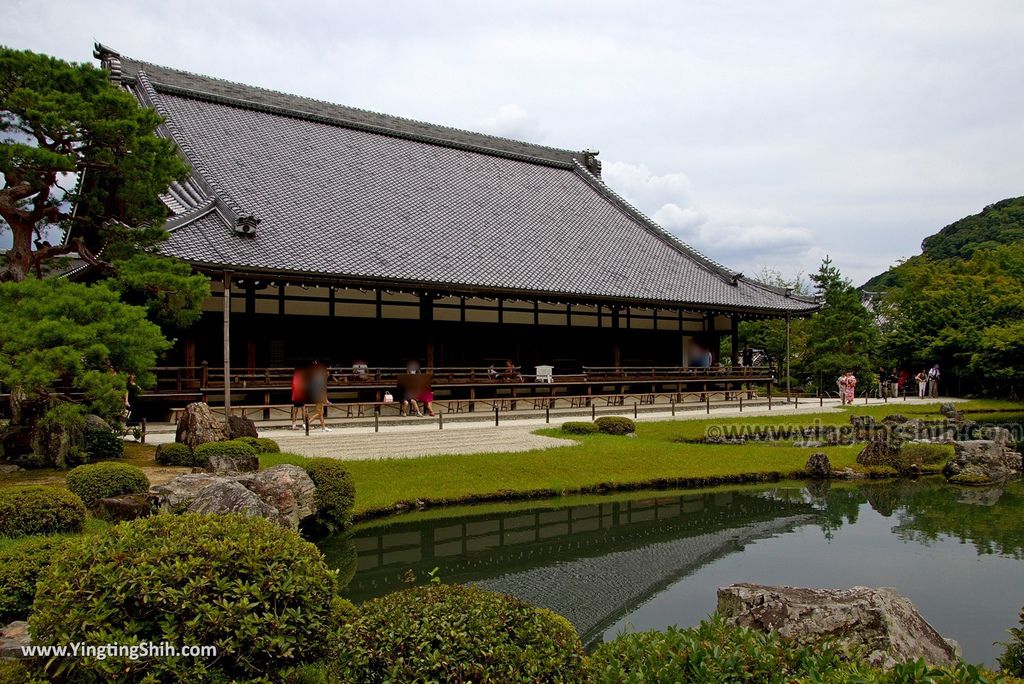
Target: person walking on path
{"type": "Point", "coordinates": [298, 395]}
{"type": "Point", "coordinates": [933, 382]}
{"type": "Point", "coordinates": [922, 384]}
{"type": "Point", "coordinates": [847, 387]}
{"type": "Point", "coordinates": [316, 391]}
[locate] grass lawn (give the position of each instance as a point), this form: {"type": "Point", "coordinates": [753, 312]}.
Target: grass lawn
{"type": "Point", "coordinates": [654, 457]}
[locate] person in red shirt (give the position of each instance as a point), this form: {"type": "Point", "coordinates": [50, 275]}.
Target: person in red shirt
{"type": "Point", "coordinates": [298, 395]}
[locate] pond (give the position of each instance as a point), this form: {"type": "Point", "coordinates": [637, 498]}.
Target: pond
{"type": "Point", "coordinates": [649, 560]}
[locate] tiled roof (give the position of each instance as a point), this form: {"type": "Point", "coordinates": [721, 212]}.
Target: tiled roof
{"type": "Point", "coordinates": [345, 193]}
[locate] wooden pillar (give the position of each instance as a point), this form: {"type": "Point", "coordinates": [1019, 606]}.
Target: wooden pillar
{"type": "Point", "coordinates": [227, 346]}
{"type": "Point", "coordinates": [788, 389]}
{"type": "Point", "coordinates": [734, 337]}
{"type": "Point", "coordinates": [616, 348]}
{"type": "Point", "coordinates": [190, 356]}
{"type": "Point", "coordinates": [427, 327]}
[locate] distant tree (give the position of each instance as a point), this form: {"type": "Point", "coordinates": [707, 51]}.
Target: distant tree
{"type": "Point", "coordinates": [770, 334]}
{"type": "Point", "coordinates": [842, 335]}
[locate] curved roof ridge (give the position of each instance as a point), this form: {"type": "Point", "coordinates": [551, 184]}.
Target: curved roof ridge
{"type": "Point", "coordinates": [130, 65]}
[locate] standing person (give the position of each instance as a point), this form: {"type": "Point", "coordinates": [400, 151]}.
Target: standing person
{"type": "Point", "coordinates": [316, 391]}
{"type": "Point", "coordinates": [883, 382]}
{"type": "Point", "coordinates": [922, 384]}
{"type": "Point", "coordinates": [849, 388]}
{"type": "Point", "coordinates": [894, 383]}
{"type": "Point", "coordinates": [748, 355]}
{"type": "Point", "coordinates": [298, 395]}
{"type": "Point", "coordinates": [902, 378]}
{"type": "Point", "coordinates": [933, 382]}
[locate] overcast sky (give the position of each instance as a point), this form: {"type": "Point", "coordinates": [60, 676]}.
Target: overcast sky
{"type": "Point", "coordinates": [762, 133]}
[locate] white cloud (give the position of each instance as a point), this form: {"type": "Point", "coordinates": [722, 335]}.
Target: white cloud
{"type": "Point", "coordinates": [512, 121]}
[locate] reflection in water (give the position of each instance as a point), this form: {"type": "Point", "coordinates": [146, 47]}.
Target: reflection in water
{"type": "Point", "coordinates": [655, 561]}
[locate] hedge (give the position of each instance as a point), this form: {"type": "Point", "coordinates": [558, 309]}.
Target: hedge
{"type": "Point", "coordinates": [258, 593]}
{"type": "Point", "coordinates": [39, 509]}
{"type": "Point", "coordinates": [175, 454]}
{"type": "Point", "coordinates": [454, 633]}
{"type": "Point", "coordinates": [335, 492]}
{"type": "Point", "coordinates": [101, 443]}
{"type": "Point", "coordinates": [579, 428]}
{"type": "Point", "coordinates": [231, 447]}
{"type": "Point", "coordinates": [615, 425]}
{"type": "Point", "coordinates": [20, 565]}
{"type": "Point", "coordinates": [96, 481]}
{"type": "Point", "coordinates": [262, 445]}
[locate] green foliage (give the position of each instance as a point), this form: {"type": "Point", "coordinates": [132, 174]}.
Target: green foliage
{"type": "Point", "coordinates": [258, 593]}
{"type": "Point", "coordinates": [615, 425]}
{"type": "Point", "coordinates": [579, 428]}
{"type": "Point", "coordinates": [175, 454]}
{"type": "Point", "coordinates": [454, 633]}
{"type": "Point", "coordinates": [924, 454]}
{"type": "Point", "coordinates": [54, 333]}
{"type": "Point", "coordinates": [59, 118]}
{"type": "Point", "coordinates": [841, 335]}
{"type": "Point", "coordinates": [167, 288]}
{"type": "Point", "coordinates": [20, 565]}
{"type": "Point", "coordinates": [770, 334]}
{"type": "Point", "coordinates": [15, 672]}
{"type": "Point", "coordinates": [1012, 658]}
{"type": "Point", "coordinates": [262, 445]}
{"type": "Point", "coordinates": [60, 422]}
{"type": "Point", "coordinates": [100, 444]}
{"type": "Point", "coordinates": [715, 652]}
{"type": "Point", "coordinates": [96, 481]}
{"type": "Point", "coordinates": [335, 492]}
{"type": "Point", "coordinates": [39, 509]}
{"type": "Point", "coordinates": [231, 447]}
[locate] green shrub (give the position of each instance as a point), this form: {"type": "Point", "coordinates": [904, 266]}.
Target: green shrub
{"type": "Point", "coordinates": [454, 633]}
{"type": "Point", "coordinates": [39, 509]}
{"type": "Point", "coordinates": [262, 445]}
{"type": "Point", "coordinates": [1012, 659]}
{"type": "Point", "coordinates": [923, 453]}
{"type": "Point", "coordinates": [615, 425]}
{"type": "Point", "coordinates": [102, 444]}
{"type": "Point", "coordinates": [335, 492]}
{"type": "Point", "coordinates": [95, 481]}
{"type": "Point", "coordinates": [175, 454]}
{"type": "Point", "coordinates": [232, 447]}
{"type": "Point", "coordinates": [15, 672]}
{"type": "Point", "coordinates": [20, 565]}
{"type": "Point", "coordinates": [574, 427]}
{"type": "Point", "coordinates": [260, 594]}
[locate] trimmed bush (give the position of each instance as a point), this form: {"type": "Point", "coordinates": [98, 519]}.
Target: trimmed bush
{"type": "Point", "coordinates": [175, 454]}
{"type": "Point", "coordinates": [262, 445]}
{"type": "Point", "coordinates": [100, 444]}
{"type": "Point", "coordinates": [579, 428]}
{"type": "Point", "coordinates": [20, 565]}
{"type": "Point", "coordinates": [335, 492]}
{"type": "Point", "coordinates": [95, 481]}
{"type": "Point", "coordinates": [615, 425]}
{"type": "Point", "coordinates": [454, 633]}
{"type": "Point", "coordinates": [39, 509]}
{"type": "Point", "coordinates": [260, 594]}
{"type": "Point", "coordinates": [232, 447]}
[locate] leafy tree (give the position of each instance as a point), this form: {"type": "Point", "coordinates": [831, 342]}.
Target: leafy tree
{"type": "Point", "coordinates": [68, 341]}
{"type": "Point", "coordinates": [72, 139]}
{"type": "Point", "coordinates": [770, 335]}
{"type": "Point", "coordinates": [842, 334]}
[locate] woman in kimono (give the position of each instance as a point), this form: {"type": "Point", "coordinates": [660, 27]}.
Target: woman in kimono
{"type": "Point", "coordinates": [849, 385]}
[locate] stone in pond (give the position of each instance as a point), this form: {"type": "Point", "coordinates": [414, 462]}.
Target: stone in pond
{"type": "Point", "coordinates": [884, 624]}
{"type": "Point", "coordinates": [818, 465]}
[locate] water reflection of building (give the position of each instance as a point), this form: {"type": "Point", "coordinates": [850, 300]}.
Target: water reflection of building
{"type": "Point", "coordinates": [590, 563]}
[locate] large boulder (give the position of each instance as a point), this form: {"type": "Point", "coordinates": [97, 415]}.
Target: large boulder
{"type": "Point", "coordinates": [885, 625]}
{"type": "Point", "coordinates": [230, 496]}
{"type": "Point", "coordinates": [285, 493]}
{"type": "Point", "coordinates": [949, 411]}
{"type": "Point", "coordinates": [124, 507]}
{"type": "Point", "coordinates": [982, 462]}
{"type": "Point", "coordinates": [232, 464]}
{"type": "Point", "coordinates": [13, 638]}
{"type": "Point", "coordinates": [818, 465]}
{"type": "Point", "coordinates": [198, 425]}
{"type": "Point", "coordinates": [239, 426]}
{"type": "Point", "coordinates": [883, 449]}
{"type": "Point", "coordinates": [288, 489]}
{"type": "Point", "coordinates": [863, 427]}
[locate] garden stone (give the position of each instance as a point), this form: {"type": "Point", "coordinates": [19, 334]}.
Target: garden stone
{"type": "Point", "coordinates": [863, 427]}
{"type": "Point", "coordinates": [895, 419]}
{"type": "Point", "coordinates": [198, 425]}
{"type": "Point", "coordinates": [231, 496]}
{"type": "Point", "coordinates": [880, 621]}
{"type": "Point", "coordinates": [7, 468]}
{"type": "Point", "coordinates": [1000, 435]}
{"type": "Point", "coordinates": [239, 426]}
{"type": "Point", "coordinates": [12, 638]}
{"type": "Point", "coordinates": [949, 410]}
{"type": "Point", "coordinates": [94, 422]}
{"type": "Point", "coordinates": [124, 507]}
{"type": "Point", "coordinates": [233, 464]}
{"type": "Point", "coordinates": [286, 488]}
{"type": "Point", "coordinates": [818, 465]}
{"type": "Point", "coordinates": [983, 461]}
{"type": "Point", "coordinates": [882, 450]}
{"type": "Point", "coordinates": [173, 496]}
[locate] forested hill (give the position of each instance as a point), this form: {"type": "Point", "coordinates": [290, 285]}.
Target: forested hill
{"type": "Point", "coordinates": [998, 224]}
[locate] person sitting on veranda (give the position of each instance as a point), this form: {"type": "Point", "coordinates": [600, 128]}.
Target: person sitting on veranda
{"type": "Point", "coordinates": [360, 371]}
{"type": "Point", "coordinates": [511, 372]}
{"type": "Point", "coordinates": [410, 392]}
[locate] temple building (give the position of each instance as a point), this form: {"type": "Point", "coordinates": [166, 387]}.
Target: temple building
{"type": "Point", "coordinates": [341, 234]}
